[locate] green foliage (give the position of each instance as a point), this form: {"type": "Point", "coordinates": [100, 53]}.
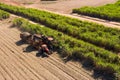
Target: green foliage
{"type": "Point", "coordinates": [101, 58]}
{"type": "Point", "coordinates": [90, 32]}
{"type": "Point", "coordinates": [108, 12]}
{"type": "Point", "coordinates": [4, 15]}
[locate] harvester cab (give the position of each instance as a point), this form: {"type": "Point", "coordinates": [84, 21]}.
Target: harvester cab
{"type": "Point", "coordinates": [37, 41]}
{"type": "Point", "coordinates": [25, 37]}
{"type": "Point", "coordinates": [37, 38]}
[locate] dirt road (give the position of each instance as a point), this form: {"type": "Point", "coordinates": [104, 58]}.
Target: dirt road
{"type": "Point", "coordinates": [61, 6]}
{"type": "Point", "coordinates": [18, 65]}
{"type": "Point", "coordinates": [64, 7]}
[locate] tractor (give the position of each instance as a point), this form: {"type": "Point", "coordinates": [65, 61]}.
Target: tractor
{"type": "Point", "coordinates": [38, 41]}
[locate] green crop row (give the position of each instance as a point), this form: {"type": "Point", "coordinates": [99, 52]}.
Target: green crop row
{"type": "Point", "coordinates": [3, 14]}
{"type": "Point", "coordinates": [108, 12]}
{"type": "Point", "coordinates": [99, 35]}
{"type": "Point", "coordinates": [101, 58]}
{"type": "Point", "coordinates": [108, 38]}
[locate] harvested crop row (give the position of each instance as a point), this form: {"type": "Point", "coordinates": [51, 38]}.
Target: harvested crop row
{"type": "Point", "coordinates": [4, 15]}
{"type": "Point", "coordinates": [101, 58]}
{"type": "Point", "coordinates": [108, 12]}
{"type": "Point", "coordinates": [99, 35]}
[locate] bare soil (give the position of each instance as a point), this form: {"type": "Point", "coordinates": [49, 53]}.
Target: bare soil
{"type": "Point", "coordinates": [18, 65]}
{"type": "Point", "coordinates": [62, 6]}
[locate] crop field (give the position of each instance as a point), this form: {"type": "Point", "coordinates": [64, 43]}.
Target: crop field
{"type": "Point", "coordinates": [88, 41]}
{"type": "Point", "coordinates": [108, 12]}
{"type": "Point", "coordinates": [3, 15]}
{"type": "Point", "coordinates": [101, 59]}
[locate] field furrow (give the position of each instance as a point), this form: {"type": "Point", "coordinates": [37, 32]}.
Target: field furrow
{"type": "Point", "coordinates": [17, 65]}
{"type": "Point", "coordinates": [47, 66]}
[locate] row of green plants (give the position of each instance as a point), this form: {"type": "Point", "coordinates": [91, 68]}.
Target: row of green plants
{"type": "Point", "coordinates": [101, 59]}
{"type": "Point", "coordinates": [4, 15]}
{"type": "Point", "coordinates": [109, 12]}
{"type": "Point", "coordinates": [99, 35]}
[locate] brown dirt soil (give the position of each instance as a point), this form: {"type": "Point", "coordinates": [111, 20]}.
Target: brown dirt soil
{"type": "Point", "coordinates": [66, 6]}
{"type": "Point", "coordinates": [20, 2]}
{"type": "Point", "coordinates": [18, 65]}
{"type": "Point", "coordinates": [62, 6]}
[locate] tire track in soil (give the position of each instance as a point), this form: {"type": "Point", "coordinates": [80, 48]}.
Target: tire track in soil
{"type": "Point", "coordinates": [22, 70]}
{"type": "Point", "coordinates": [7, 70]}
{"type": "Point", "coordinates": [4, 73]}
{"type": "Point", "coordinates": [9, 58]}
{"type": "Point", "coordinates": [1, 76]}
{"type": "Point", "coordinates": [6, 62]}
{"type": "Point", "coordinates": [27, 73]}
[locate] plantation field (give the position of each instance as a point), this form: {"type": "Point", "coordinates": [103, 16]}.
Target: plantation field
{"type": "Point", "coordinates": [101, 59]}
{"type": "Point", "coordinates": [94, 45]}
{"type": "Point", "coordinates": [109, 11]}
{"type": "Point", "coordinates": [87, 41]}
{"type": "Point", "coordinates": [99, 35]}
{"type": "Point", "coordinates": [3, 15]}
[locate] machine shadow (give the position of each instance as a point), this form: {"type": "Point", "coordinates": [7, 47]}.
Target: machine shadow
{"type": "Point", "coordinates": [30, 48]}
{"type": "Point", "coordinates": [41, 55]}
{"type": "Point", "coordinates": [19, 43]}
{"type": "Point", "coordinates": [89, 66]}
